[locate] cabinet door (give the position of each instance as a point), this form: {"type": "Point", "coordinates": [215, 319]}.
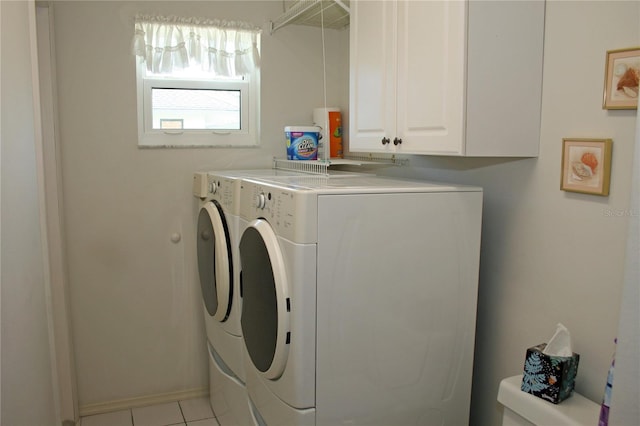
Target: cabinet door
{"type": "Point", "coordinates": [504, 84]}
{"type": "Point", "coordinates": [372, 110]}
{"type": "Point", "coordinates": [431, 77]}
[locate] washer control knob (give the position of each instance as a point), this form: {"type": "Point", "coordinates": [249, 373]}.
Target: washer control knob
{"type": "Point", "coordinates": [261, 201]}
{"type": "Point", "coordinates": [212, 187]}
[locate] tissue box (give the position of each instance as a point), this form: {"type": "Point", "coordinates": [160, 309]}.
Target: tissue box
{"type": "Point", "coordinates": [549, 377]}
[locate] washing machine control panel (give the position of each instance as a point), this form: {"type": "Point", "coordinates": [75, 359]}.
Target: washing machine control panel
{"type": "Point", "coordinates": [221, 189]}
{"type": "Point", "coordinates": [281, 207]}
{"type": "Point", "coordinates": [266, 203]}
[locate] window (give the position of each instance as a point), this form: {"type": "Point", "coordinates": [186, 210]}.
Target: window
{"type": "Point", "coordinates": [198, 82]}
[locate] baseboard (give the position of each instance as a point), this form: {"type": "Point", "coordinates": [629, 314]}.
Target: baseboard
{"type": "Point", "coordinates": [123, 404]}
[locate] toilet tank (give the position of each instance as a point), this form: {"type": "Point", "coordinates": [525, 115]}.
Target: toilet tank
{"type": "Point", "coordinates": [523, 409]}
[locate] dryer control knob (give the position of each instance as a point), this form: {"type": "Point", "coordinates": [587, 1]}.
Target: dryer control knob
{"type": "Point", "coordinates": [261, 201]}
{"type": "Point", "coordinates": [212, 187]}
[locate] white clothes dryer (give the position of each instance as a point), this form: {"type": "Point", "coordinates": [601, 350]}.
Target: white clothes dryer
{"type": "Point", "coordinates": [359, 300]}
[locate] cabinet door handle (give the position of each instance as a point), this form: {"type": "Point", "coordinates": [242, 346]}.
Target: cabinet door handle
{"type": "Point", "coordinates": [385, 141]}
{"type": "Point", "coordinates": [397, 141]}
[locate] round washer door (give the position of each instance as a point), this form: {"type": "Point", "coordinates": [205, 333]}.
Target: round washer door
{"type": "Point", "coordinates": [214, 261]}
{"type": "Point", "coordinates": [265, 299]}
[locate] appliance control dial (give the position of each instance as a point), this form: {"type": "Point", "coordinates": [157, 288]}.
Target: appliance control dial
{"type": "Point", "coordinates": [261, 200]}
{"type": "Point", "coordinates": [212, 187]}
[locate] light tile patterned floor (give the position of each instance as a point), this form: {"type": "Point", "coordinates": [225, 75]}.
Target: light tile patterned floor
{"type": "Point", "coordinates": [191, 412]}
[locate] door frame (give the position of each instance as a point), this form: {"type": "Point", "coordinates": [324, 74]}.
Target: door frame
{"type": "Point", "coordinates": [48, 163]}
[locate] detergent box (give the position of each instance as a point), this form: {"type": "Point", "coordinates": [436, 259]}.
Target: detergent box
{"type": "Point", "coordinates": [302, 142]}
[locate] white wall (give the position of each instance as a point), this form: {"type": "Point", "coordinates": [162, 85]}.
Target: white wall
{"type": "Point", "coordinates": [26, 367]}
{"type": "Point", "coordinates": [550, 256]}
{"type": "Point", "coordinates": [135, 298]}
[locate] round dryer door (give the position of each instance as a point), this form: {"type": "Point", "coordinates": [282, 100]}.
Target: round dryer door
{"type": "Point", "coordinates": [265, 299]}
{"type": "Point", "coordinates": [214, 261]}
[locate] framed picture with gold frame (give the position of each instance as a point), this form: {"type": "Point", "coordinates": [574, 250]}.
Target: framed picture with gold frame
{"type": "Point", "coordinates": [621, 75]}
{"type": "Point", "coordinates": [586, 165]}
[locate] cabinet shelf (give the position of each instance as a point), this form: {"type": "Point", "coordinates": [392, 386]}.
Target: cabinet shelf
{"type": "Point", "coordinates": [333, 14]}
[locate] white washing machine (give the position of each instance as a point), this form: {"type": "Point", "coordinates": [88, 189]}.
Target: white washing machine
{"type": "Point", "coordinates": [218, 234]}
{"type": "Point", "coordinates": [359, 300]}
{"type": "Point", "coordinates": [219, 272]}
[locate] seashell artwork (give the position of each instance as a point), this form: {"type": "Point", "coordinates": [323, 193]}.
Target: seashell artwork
{"type": "Point", "coordinates": [629, 79]}
{"type": "Point", "coordinates": [581, 171]}
{"type": "Point", "coordinates": [586, 166]}
{"type": "Point", "coordinates": [622, 79]}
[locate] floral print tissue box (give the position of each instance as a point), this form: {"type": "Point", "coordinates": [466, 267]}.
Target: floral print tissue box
{"type": "Point", "coordinates": [549, 377]}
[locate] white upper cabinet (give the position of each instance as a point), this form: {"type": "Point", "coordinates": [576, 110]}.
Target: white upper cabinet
{"type": "Point", "coordinates": [446, 77]}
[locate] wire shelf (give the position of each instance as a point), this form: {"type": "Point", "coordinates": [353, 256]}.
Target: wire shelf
{"type": "Point", "coordinates": [321, 167]}
{"type": "Point", "coordinates": [313, 167]}
{"type": "Point", "coordinates": [308, 12]}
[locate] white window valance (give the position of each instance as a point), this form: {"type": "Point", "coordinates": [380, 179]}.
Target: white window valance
{"type": "Point", "coordinates": [169, 45]}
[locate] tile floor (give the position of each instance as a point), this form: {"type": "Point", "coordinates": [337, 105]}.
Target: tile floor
{"type": "Point", "coordinates": [191, 412]}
